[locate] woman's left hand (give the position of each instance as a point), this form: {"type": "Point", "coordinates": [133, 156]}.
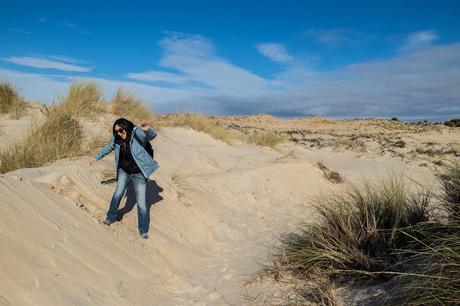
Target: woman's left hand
{"type": "Point", "coordinates": [145, 126]}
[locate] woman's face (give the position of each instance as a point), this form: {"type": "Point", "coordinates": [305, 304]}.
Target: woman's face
{"type": "Point", "coordinates": [121, 132]}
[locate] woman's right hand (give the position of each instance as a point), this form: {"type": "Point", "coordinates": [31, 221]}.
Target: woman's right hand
{"type": "Point", "coordinates": [92, 162]}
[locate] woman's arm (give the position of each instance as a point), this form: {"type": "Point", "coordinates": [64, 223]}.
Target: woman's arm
{"type": "Point", "coordinates": [106, 150]}
{"type": "Point", "coordinates": [146, 132]}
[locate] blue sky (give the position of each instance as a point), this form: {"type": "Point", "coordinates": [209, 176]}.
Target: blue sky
{"type": "Point", "coordinates": [288, 58]}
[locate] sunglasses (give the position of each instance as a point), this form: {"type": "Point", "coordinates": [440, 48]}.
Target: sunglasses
{"type": "Point", "coordinates": [119, 131]}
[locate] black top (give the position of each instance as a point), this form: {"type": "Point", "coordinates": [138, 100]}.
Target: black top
{"type": "Point", "coordinates": [126, 161]}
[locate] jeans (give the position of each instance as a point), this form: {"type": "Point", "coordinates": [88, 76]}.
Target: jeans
{"type": "Point", "coordinates": [140, 188]}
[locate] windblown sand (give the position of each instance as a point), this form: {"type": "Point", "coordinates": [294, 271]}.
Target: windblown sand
{"type": "Point", "coordinates": [218, 212]}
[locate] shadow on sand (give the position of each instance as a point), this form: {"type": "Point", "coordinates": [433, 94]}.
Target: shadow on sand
{"type": "Point", "coordinates": [153, 196]}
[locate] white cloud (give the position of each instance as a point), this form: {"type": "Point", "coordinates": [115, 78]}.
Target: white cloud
{"type": "Point", "coordinates": [34, 86]}
{"type": "Point", "coordinates": [419, 39]}
{"type": "Point", "coordinates": [194, 56]}
{"type": "Point", "coordinates": [44, 63]}
{"type": "Point", "coordinates": [418, 84]}
{"type": "Point", "coordinates": [275, 52]}
{"type": "Point", "coordinates": [159, 76]}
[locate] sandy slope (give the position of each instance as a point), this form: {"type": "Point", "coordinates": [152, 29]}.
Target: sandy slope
{"type": "Point", "coordinates": [217, 212]}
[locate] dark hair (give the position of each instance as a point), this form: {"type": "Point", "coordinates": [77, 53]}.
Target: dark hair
{"type": "Point", "coordinates": [127, 125]}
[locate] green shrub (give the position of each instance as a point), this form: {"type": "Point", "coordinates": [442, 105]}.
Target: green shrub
{"type": "Point", "coordinates": [453, 123]}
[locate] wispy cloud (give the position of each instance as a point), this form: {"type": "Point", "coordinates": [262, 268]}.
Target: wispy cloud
{"type": "Point", "coordinates": [419, 40]}
{"type": "Point", "coordinates": [20, 30]}
{"type": "Point", "coordinates": [46, 63]}
{"type": "Point", "coordinates": [274, 51]}
{"type": "Point", "coordinates": [159, 76]}
{"type": "Point", "coordinates": [334, 37]}
{"type": "Point", "coordinates": [195, 57]}
{"type": "Point", "coordinates": [69, 25]}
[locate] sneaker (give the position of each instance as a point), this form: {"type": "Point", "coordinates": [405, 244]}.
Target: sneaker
{"type": "Point", "coordinates": [107, 221]}
{"type": "Point", "coordinates": [145, 235]}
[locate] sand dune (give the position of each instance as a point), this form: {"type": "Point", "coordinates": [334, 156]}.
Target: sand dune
{"type": "Point", "coordinates": [217, 211]}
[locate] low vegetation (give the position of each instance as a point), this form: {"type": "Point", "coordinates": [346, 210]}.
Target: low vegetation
{"type": "Point", "coordinates": [84, 99]}
{"type": "Point", "coordinates": [127, 105]}
{"type": "Point", "coordinates": [453, 122]}
{"type": "Point", "coordinates": [380, 232]}
{"type": "Point", "coordinates": [10, 101]}
{"type": "Point", "coordinates": [58, 136]}
{"type": "Point", "coordinates": [265, 138]}
{"type": "Point", "coordinates": [206, 124]}
{"type": "Point", "coordinates": [330, 175]}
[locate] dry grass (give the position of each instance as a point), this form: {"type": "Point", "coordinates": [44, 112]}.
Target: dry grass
{"type": "Point", "coordinates": [265, 139]}
{"type": "Point", "coordinates": [95, 142]}
{"type": "Point", "coordinates": [128, 106]}
{"type": "Point", "coordinates": [10, 101]}
{"type": "Point", "coordinates": [450, 181]}
{"type": "Point", "coordinates": [380, 231]}
{"type": "Point", "coordinates": [329, 174]}
{"type": "Point", "coordinates": [432, 263]}
{"type": "Point", "coordinates": [433, 255]}
{"type": "Point", "coordinates": [83, 100]}
{"type": "Point", "coordinates": [204, 124]}
{"type": "Point", "coordinates": [358, 231]}
{"type": "Point", "coordinates": [58, 136]}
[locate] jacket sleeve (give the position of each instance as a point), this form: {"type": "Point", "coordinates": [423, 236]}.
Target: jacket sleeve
{"type": "Point", "coordinates": [151, 133]}
{"type": "Point", "coordinates": [106, 150]}
{"type": "Point", "coordinates": [146, 136]}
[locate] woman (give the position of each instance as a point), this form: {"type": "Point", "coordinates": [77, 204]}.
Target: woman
{"type": "Point", "coordinates": [133, 164]}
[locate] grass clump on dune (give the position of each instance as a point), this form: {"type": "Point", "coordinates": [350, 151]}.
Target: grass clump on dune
{"type": "Point", "coordinates": [10, 101]}
{"type": "Point", "coordinates": [265, 139]}
{"type": "Point", "coordinates": [127, 105]}
{"type": "Point", "coordinates": [357, 232]}
{"type": "Point", "coordinates": [382, 232]}
{"type": "Point", "coordinates": [83, 100]}
{"type": "Point", "coordinates": [58, 136]}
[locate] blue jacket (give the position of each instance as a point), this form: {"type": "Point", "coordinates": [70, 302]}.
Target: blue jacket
{"type": "Point", "coordinates": [143, 160]}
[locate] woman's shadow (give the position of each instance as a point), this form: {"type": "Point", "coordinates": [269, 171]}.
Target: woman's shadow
{"type": "Point", "coordinates": [152, 196]}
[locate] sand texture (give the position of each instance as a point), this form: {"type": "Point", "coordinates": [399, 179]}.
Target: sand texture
{"type": "Point", "coordinates": [217, 213]}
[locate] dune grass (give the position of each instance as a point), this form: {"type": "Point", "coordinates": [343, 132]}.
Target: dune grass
{"type": "Point", "coordinates": [381, 231]}
{"type": "Point", "coordinates": [58, 136]}
{"type": "Point", "coordinates": [127, 105]}
{"type": "Point", "coordinates": [450, 181]}
{"type": "Point", "coordinates": [10, 101]}
{"type": "Point", "coordinates": [82, 100]}
{"type": "Point", "coordinates": [357, 232]}
{"type": "Point", "coordinates": [204, 124]}
{"type": "Point", "coordinates": [432, 263]}
{"type": "Point", "coordinates": [265, 139]}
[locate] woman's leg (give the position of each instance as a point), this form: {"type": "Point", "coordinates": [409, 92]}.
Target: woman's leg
{"type": "Point", "coordinates": [143, 216]}
{"type": "Point", "coordinates": [122, 183]}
